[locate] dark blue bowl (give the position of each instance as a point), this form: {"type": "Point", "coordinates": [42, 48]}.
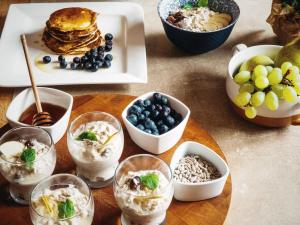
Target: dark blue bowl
{"type": "Point", "coordinates": [198, 42]}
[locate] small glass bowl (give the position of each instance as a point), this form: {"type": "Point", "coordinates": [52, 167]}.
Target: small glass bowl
{"type": "Point", "coordinates": [96, 173]}
{"type": "Point", "coordinates": [21, 180]}
{"type": "Point", "coordinates": [83, 218]}
{"type": "Point", "coordinates": [127, 200]}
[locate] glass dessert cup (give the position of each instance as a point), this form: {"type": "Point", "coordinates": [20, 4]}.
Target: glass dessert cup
{"type": "Point", "coordinates": [50, 192]}
{"type": "Point", "coordinates": [22, 174]}
{"type": "Point", "coordinates": [138, 207]}
{"type": "Point", "coordinates": [96, 159]}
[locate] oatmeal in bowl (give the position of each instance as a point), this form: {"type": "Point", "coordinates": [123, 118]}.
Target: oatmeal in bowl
{"type": "Point", "coordinates": [143, 189]}
{"type": "Point", "coordinates": [95, 142]}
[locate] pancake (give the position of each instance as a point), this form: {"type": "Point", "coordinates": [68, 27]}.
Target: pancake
{"type": "Point", "coordinates": [72, 31]}
{"type": "Point", "coordinates": [71, 19]}
{"type": "Point", "coordinates": [72, 47]}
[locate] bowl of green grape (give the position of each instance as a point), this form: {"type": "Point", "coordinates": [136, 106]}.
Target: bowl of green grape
{"type": "Point", "coordinates": [260, 89]}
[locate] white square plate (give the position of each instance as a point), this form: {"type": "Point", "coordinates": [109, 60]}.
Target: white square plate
{"type": "Point", "coordinates": [124, 20]}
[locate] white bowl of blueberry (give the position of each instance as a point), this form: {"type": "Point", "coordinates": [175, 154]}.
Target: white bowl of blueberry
{"type": "Point", "coordinates": [156, 121]}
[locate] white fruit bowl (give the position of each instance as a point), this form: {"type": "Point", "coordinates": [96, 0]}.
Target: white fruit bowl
{"type": "Point", "coordinates": [204, 190]}
{"type": "Point", "coordinates": [53, 96]}
{"type": "Point", "coordinates": [286, 114]}
{"type": "Point", "coordinates": [158, 144]}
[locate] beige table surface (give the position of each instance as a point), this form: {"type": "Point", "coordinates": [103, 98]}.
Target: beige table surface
{"type": "Point", "coordinates": [265, 163]}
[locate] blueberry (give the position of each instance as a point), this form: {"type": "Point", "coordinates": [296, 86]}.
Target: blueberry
{"type": "Point", "coordinates": [61, 58]}
{"type": "Point", "coordinates": [178, 117]}
{"type": "Point", "coordinates": [135, 110]}
{"type": "Point", "coordinates": [139, 103]}
{"type": "Point", "coordinates": [94, 54]}
{"type": "Point", "coordinates": [158, 107]}
{"type": "Point", "coordinates": [148, 131]}
{"type": "Point", "coordinates": [100, 55]}
{"type": "Point", "coordinates": [73, 66]}
{"type": "Point", "coordinates": [157, 97]}
{"type": "Point", "coordinates": [94, 67]}
{"type": "Point", "coordinates": [99, 63]}
{"type": "Point", "coordinates": [141, 118]}
{"type": "Point", "coordinates": [63, 64]}
{"type": "Point", "coordinates": [80, 66]}
{"type": "Point", "coordinates": [108, 36]}
{"type": "Point", "coordinates": [109, 42]}
{"type": "Point", "coordinates": [155, 131]}
{"type": "Point", "coordinates": [132, 119]}
{"type": "Point", "coordinates": [88, 54]}
{"type": "Point", "coordinates": [101, 49]}
{"type": "Point", "coordinates": [170, 121]}
{"type": "Point", "coordinates": [99, 58]}
{"type": "Point", "coordinates": [163, 129]}
{"type": "Point", "coordinates": [46, 59]}
{"type": "Point", "coordinates": [166, 109]}
{"type": "Point", "coordinates": [108, 57]}
{"type": "Point", "coordinates": [159, 123]}
{"type": "Point", "coordinates": [155, 115]}
{"type": "Point", "coordinates": [76, 60]}
{"type": "Point", "coordinates": [147, 102]}
{"type": "Point", "coordinates": [164, 114]}
{"type": "Point", "coordinates": [92, 60]}
{"type": "Point", "coordinates": [87, 65]}
{"type": "Point", "coordinates": [141, 127]}
{"type": "Point", "coordinates": [94, 50]}
{"type": "Point", "coordinates": [149, 124]}
{"type": "Point", "coordinates": [172, 112]}
{"type": "Point", "coordinates": [84, 59]}
{"type": "Point", "coordinates": [108, 48]}
{"type": "Point", "coordinates": [151, 107]}
{"type": "Point", "coordinates": [146, 113]}
{"type": "Point", "coordinates": [164, 100]}
{"type": "Point", "coordinates": [106, 64]}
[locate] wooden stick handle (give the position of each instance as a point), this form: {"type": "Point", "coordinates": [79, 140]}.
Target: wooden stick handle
{"type": "Point", "coordinates": [34, 88]}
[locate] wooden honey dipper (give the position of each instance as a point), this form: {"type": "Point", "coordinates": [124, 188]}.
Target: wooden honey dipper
{"type": "Point", "coordinates": [41, 118]}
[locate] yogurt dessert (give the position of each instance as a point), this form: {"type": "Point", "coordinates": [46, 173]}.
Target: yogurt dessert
{"type": "Point", "coordinates": [95, 142]}
{"type": "Point", "coordinates": [143, 195]}
{"type": "Point", "coordinates": [62, 199]}
{"type": "Point", "coordinates": [27, 156]}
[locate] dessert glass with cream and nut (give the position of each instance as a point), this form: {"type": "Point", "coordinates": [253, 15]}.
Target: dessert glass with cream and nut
{"type": "Point", "coordinates": [95, 142]}
{"type": "Point", "coordinates": [62, 199]}
{"type": "Point", "coordinates": [143, 189]}
{"type": "Point", "coordinates": [27, 155]}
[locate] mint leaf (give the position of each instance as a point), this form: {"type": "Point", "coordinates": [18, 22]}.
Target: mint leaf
{"type": "Point", "coordinates": [202, 3]}
{"type": "Point", "coordinates": [66, 209]}
{"type": "Point", "coordinates": [28, 156]}
{"type": "Point", "coordinates": [187, 5]}
{"type": "Point", "coordinates": [87, 135]}
{"type": "Point", "coordinates": [150, 181]}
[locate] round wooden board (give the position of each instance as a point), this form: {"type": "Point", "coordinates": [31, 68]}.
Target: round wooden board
{"type": "Point", "coordinates": [208, 212]}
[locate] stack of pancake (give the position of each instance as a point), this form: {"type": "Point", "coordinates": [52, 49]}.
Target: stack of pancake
{"type": "Point", "coordinates": [72, 31]}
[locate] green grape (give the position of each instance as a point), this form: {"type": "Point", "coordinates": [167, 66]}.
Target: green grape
{"type": "Point", "coordinates": [269, 69]}
{"type": "Point", "coordinates": [260, 70]}
{"type": "Point", "coordinates": [294, 69]}
{"type": "Point", "coordinates": [297, 87]}
{"type": "Point", "coordinates": [278, 89]}
{"type": "Point", "coordinates": [275, 77]}
{"type": "Point", "coordinates": [285, 67]}
{"type": "Point", "coordinates": [261, 82]}
{"type": "Point", "coordinates": [242, 77]}
{"type": "Point", "coordinates": [289, 94]}
{"type": "Point", "coordinates": [293, 76]}
{"type": "Point", "coordinates": [250, 112]}
{"type": "Point", "coordinates": [242, 99]}
{"type": "Point", "coordinates": [247, 87]}
{"type": "Point", "coordinates": [272, 101]}
{"type": "Point", "coordinates": [257, 98]}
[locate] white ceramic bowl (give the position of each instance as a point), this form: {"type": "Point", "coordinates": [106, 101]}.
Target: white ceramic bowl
{"type": "Point", "coordinates": [56, 97]}
{"type": "Point", "coordinates": [158, 144]}
{"type": "Point", "coordinates": [242, 53]}
{"type": "Point", "coordinates": [204, 190]}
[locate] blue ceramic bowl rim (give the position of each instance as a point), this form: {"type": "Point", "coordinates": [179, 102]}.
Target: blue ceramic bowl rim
{"type": "Point", "coordinates": [199, 32]}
